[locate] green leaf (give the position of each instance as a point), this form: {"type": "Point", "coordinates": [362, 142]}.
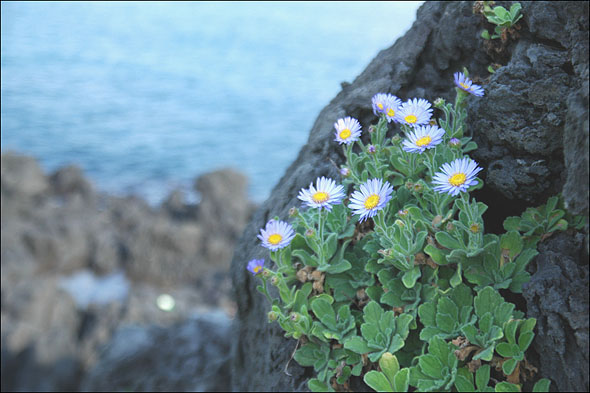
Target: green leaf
{"type": "Point", "coordinates": [307, 355]}
{"type": "Point", "coordinates": [315, 385]}
{"type": "Point", "coordinates": [456, 279]}
{"type": "Point", "coordinates": [470, 333]}
{"type": "Point", "coordinates": [513, 242]}
{"type": "Point", "coordinates": [510, 331]}
{"type": "Point", "coordinates": [431, 366]}
{"type": "Point", "coordinates": [509, 365]}
{"type": "Point", "coordinates": [427, 313]}
{"type": "Point", "coordinates": [463, 384]}
{"type": "Point", "coordinates": [482, 377]}
{"type": "Point", "coordinates": [357, 345]}
{"type": "Point", "coordinates": [330, 246]}
{"type": "Point", "coordinates": [377, 381]}
{"type": "Point", "coordinates": [542, 385]}
{"type": "Point", "coordinates": [507, 387]}
{"type": "Point", "coordinates": [339, 267]}
{"type": "Point", "coordinates": [501, 13]}
{"type": "Point", "coordinates": [485, 34]}
{"type": "Point", "coordinates": [389, 365]}
{"type": "Point", "coordinates": [372, 312]}
{"type": "Point", "coordinates": [486, 354]}
{"type": "Point", "coordinates": [305, 257]}
{"type": "Point", "coordinates": [515, 9]}
{"type": "Point", "coordinates": [401, 380]}
{"type": "Point", "coordinates": [324, 312]}
{"type": "Point", "coordinates": [525, 339]}
{"type": "Point", "coordinates": [447, 241]}
{"type": "Point", "coordinates": [528, 325]}
{"type": "Point", "coordinates": [472, 145]}
{"type": "Point", "coordinates": [411, 276]}
{"type": "Point", "coordinates": [437, 255]}
{"type": "Point", "coordinates": [507, 350]}
{"type": "Point", "coordinates": [512, 224]}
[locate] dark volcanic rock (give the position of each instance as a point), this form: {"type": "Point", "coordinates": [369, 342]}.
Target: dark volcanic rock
{"type": "Point", "coordinates": [531, 128]}
{"type": "Point", "coordinates": [557, 296]}
{"type": "Point", "coordinates": [192, 356]}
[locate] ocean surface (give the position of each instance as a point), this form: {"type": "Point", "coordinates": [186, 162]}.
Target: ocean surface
{"type": "Point", "coordinates": [144, 97]}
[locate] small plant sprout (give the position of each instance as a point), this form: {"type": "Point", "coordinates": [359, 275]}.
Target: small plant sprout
{"type": "Point", "coordinates": [503, 19]}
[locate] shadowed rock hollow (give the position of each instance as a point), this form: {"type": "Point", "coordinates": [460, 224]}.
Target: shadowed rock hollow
{"type": "Point", "coordinates": [532, 132]}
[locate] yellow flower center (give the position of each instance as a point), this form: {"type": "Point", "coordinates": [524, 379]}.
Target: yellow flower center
{"type": "Point", "coordinates": [425, 140]}
{"type": "Point", "coordinates": [390, 112]}
{"type": "Point", "coordinates": [320, 197]}
{"type": "Point", "coordinates": [474, 228]}
{"type": "Point", "coordinates": [464, 86]}
{"type": "Point", "coordinates": [380, 106]}
{"type": "Point", "coordinates": [371, 201]}
{"type": "Point", "coordinates": [457, 179]}
{"type": "Point", "coordinates": [345, 133]}
{"type": "Point", "coordinates": [258, 268]}
{"type": "Point", "coordinates": [411, 119]}
{"type": "Point", "coordinates": [274, 239]}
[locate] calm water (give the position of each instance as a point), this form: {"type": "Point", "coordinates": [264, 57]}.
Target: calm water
{"type": "Point", "coordinates": [146, 96]}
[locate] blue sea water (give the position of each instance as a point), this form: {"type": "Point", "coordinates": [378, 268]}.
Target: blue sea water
{"type": "Point", "coordinates": [146, 96]}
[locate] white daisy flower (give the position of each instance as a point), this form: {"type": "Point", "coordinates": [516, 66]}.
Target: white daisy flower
{"type": "Point", "coordinates": [348, 130]}
{"type": "Point", "coordinates": [464, 83]}
{"type": "Point", "coordinates": [414, 112]}
{"type": "Point", "coordinates": [422, 138]}
{"type": "Point", "coordinates": [392, 105]}
{"type": "Point", "coordinates": [372, 197]}
{"type": "Point", "coordinates": [379, 103]}
{"type": "Point", "coordinates": [457, 176]}
{"type": "Point", "coordinates": [276, 235]}
{"type": "Point", "coordinates": [325, 194]}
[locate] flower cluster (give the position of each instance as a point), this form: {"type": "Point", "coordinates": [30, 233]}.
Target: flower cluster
{"type": "Point", "coordinates": [390, 272]}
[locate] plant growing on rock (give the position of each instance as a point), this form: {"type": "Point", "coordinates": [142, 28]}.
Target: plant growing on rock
{"type": "Point", "coordinates": [389, 278]}
{"type": "Point", "coordinates": [505, 20]}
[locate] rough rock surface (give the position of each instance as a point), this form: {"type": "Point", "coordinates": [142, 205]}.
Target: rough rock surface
{"type": "Point", "coordinates": [531, 128]}
{"type": "Point", "coordinates": [190, 356]}
{"type": "Point", "coordinates": [557, 296]}
{"type": "Point", "coordinates": [56, 227]}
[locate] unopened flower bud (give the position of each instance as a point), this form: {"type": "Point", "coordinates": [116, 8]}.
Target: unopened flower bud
{"type": "Point", "coordinates": [454, 142]}
{"type": "Point", "coordinates": [293, 212]}
{"type": "Point", "coordinates": [274, 281]}
{"type": "Point", "coordinates": [409, 185]}
{"type": "Point", "coordinates": [309, 232]}
{"type": "Point", "coordinates": [439, 102]}
{"type": "Point", "coordinates": [265, 273]}
{"type": "Point", "coordinates": [371, 129]}
{"type": "Point", "coordinates": [418, 187]}
{"type": "Point", "coordinates": [371, 149]}
{"type": "Point", "coordinates": [344, 172]}
{"type": "Point", "coordinates": [402, 213]}
{"type": "Point", "coordinates": [399, 223]}
{"type": "Point", "coordinates": [474, 228]}
{"type": "Point", "coordinates": [395, 139]}
{"type": "Point", "coordinates": [272, 316]}
{"type": "Point", "coordinates": [450, 227]}
{"type": "Point", "coordinates": [295, 316]}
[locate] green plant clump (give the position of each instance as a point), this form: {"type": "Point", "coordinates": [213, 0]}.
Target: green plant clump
{"type": "Point", "coordinates": [396, 283]}
{"type": "Point", "coordinates": [503, 19]}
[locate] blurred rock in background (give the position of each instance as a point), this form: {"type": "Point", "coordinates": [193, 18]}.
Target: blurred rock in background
{"type": "Point", "coordinates": [80, 269]}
